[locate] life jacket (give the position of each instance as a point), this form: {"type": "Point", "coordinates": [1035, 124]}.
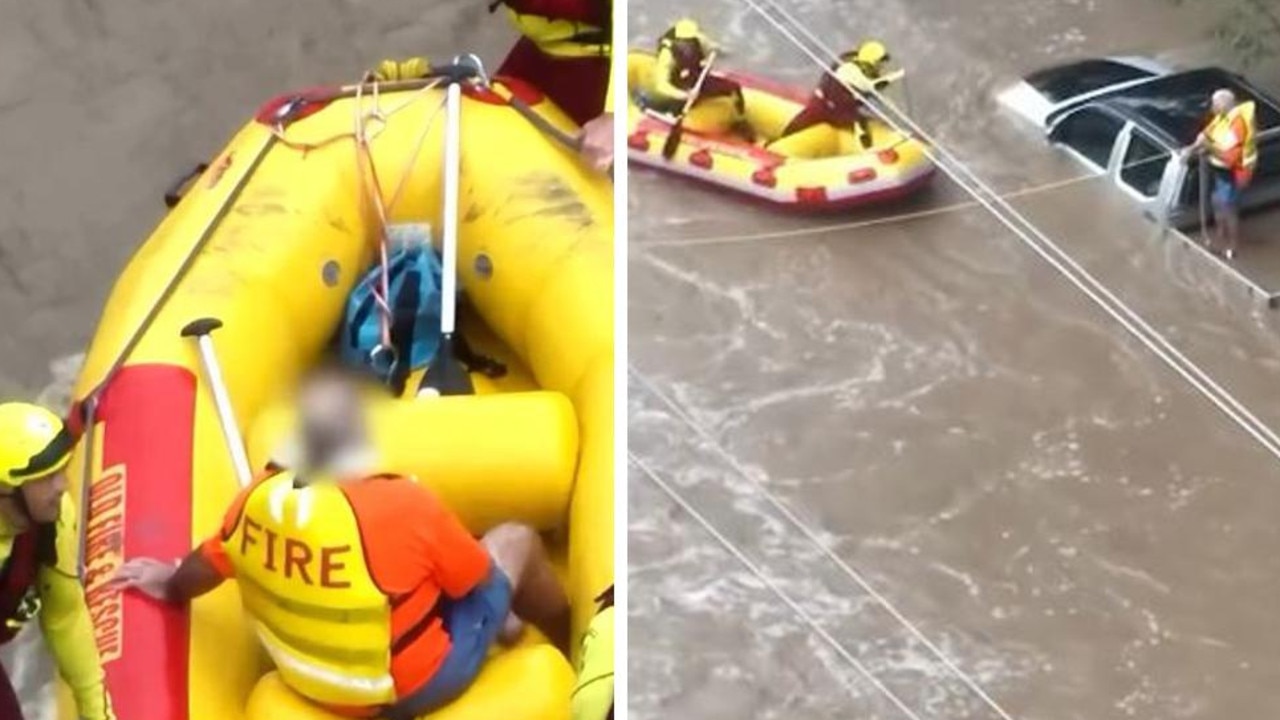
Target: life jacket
{"type": "Point", "coordinates": [1224, 133]}
{"type": "Point", "coordinates": [299, 559]}
{"type": "Point", "coordinates": [592, 697]}
{"type": "Point", "coordinates": [19, 595]}
{"type": "Point", "coordinates": [688, 57]}
{"type": "Point", "coordinates": [563, 28]}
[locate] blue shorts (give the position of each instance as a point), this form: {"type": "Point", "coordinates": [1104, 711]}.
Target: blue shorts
{"type": "Point", "coordinates": [473, 622]}
{"type": "Point", "coordinates": [1226, 195]}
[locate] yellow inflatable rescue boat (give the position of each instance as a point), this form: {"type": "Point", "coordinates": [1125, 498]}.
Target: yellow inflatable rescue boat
{"type": "Point", "coordinates": [270, 239]}
{"type": "Point", "coordinates": [822, 168]}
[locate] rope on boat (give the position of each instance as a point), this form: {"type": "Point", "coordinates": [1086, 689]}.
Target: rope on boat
{"type": "Point", "coordinates": [371, 190]}
{"type": "Point", "coordinates": [85, 410]}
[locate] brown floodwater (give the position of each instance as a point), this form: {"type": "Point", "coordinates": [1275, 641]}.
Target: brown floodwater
{"type": "Point", "coordinates": [895, 465]}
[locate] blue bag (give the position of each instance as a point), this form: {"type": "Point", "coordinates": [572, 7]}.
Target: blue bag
{"type": "Point", "coordinates": [415, 292]}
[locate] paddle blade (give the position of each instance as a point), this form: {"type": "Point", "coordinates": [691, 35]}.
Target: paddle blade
{"type": "Point", "coordinates": [446, 375]}
{"type": "Point", "coordinates": [673, 140]}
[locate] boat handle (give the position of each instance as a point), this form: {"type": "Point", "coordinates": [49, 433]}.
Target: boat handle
{"type": "Point", "coordinates": [179, 187]}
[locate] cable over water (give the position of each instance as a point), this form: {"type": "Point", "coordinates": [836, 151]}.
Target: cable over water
{"type": "Point", "coordinates": [1031, 235]}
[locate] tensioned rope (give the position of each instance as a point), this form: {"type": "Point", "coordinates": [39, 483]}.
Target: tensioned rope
{"type": "Point", "coordinates": [695, 241]}
{"type": "Point", "coordinates": [814, 539]}
{"type": "Point", "coordinates": [763, 577]}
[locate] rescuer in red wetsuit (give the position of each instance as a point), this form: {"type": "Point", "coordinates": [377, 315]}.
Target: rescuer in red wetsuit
{"type": "Point", "coordinates": [833, 103]}
{"type": "Point", "coordinates": [682, 56]}
{"type": "Point", "coordinates": [564, 51]}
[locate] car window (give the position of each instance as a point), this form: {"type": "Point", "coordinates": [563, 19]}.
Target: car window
{"type": "Point", "coordinates": [1092, 133]}
{"type": "Point", "coordinates": [1143, 166]}
{"type": "Point", "coordinates": [1190, 195]}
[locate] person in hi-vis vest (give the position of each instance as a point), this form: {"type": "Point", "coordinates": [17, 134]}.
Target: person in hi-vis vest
{"type": "Point", "coordinates": [1229, 141]}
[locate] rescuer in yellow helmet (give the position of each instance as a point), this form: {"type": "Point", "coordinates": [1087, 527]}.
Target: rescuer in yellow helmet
{"type": "Point", "coordinates": [39, 543]}
{"type": "Point", "coordinates": [682, 56]}
{"type": "Point", "coordinates": [865, 69]}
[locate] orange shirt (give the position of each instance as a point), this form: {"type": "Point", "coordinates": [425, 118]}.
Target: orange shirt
{"type": "Point", "coordinates": [416, 549]}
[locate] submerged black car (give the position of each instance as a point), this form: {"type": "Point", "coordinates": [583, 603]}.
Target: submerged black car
{"type": "Point", "coordinates": [1129, 118]}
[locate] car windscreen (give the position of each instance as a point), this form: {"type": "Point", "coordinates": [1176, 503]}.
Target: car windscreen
{"type": "Point", "coordinates": [1059, 84]}
{"type": "Point", "coordinates": [1178, 105]}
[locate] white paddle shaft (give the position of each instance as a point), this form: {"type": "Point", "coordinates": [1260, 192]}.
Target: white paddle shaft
{"type": "Point", "coordinates": [449, 210]}
{"type": "Point", "coordinates": [226, 415]}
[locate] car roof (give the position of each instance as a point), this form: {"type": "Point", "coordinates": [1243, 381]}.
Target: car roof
{"type": "Point", "coordinates": [1176, 107]}
{"type": "Point", "coordinates": [1063, 83]}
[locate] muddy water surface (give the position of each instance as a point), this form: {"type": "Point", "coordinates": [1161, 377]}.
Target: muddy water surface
{"type": "Point", "coordinates": [904, 469]}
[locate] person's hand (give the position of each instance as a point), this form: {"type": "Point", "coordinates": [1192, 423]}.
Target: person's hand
{"type": "Point", "coordinates": [148, 576]}
{"type": "Point", "coordinates": [597, 142]}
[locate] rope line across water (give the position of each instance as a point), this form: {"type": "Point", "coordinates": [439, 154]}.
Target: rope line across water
{"type": "Point", "coordinates": [760, 574]}
{"type": "Point", "coordinates": [857, 224]}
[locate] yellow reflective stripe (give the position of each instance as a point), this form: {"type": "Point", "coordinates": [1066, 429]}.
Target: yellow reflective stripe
{"type": "Point", "coordinates": [311, 610]}
{"type": "Point", "coordinates": [274, 613]}
{"type": "Point", "coordinates": [353, 688]}
{"type": "Point", "coordinates": [332, 653]}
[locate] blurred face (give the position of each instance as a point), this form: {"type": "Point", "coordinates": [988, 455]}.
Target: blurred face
{"type": "Point", "coordinates": [44, 496]}
{"type": "Point", "coordinates": [331, 416]}
{"type": "Point", "coordinates": [1222, 102]}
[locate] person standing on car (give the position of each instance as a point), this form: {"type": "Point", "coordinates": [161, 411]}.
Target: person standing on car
{"type": "Point", "coordinates": [1228, 140]}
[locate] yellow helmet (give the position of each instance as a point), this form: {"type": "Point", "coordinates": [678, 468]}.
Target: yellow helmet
{"type": "Point", "coordinates": [34, 443]}
{"type": "Point", "coordinates": [686, 29]}
{"type": "Point", "coordinates": [872, 52]}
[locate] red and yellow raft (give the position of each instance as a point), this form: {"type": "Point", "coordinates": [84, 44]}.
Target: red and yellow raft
{"type": "Point", "coordinates": [270, 239]}
{"type": "Point", "coordinates": [822, 168]}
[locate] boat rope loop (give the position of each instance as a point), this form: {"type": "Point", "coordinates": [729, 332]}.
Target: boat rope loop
{"type": "Point", "coordinates": [367, 126]}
